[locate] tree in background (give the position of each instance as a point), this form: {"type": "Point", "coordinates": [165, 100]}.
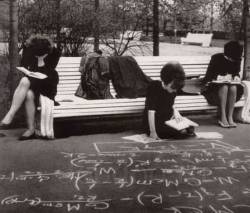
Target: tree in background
{"type": "Point", "coordinates": [58, 22]}
{"type": "Point", "coordinates": [67, 22]}
{"type": "Point", "coordinates": [119, 16]}
{"type": "Point", "coordinates": [78, 18]}
{"type": "Point", "coordinates": [246, 26]}
{"type": "Point", "coordinates": [96, 27]}
{"type": "Point", "coordinates": [13, 42]}
{"type": "Point", "coordinates": [156, 28]}
{"type": "Point", "coordinates": [70, 23]}
{"type": "Point", "coordinates": [231, 17]}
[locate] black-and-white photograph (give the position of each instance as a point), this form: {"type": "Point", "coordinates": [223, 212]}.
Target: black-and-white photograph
{"type": "Point", "coordinates": [124, 106]}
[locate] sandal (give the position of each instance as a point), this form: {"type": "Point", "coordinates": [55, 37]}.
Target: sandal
{"type": "Point", "coordinates": [233, 125]}
{"type": "Point", "coordinates": [221, 124]}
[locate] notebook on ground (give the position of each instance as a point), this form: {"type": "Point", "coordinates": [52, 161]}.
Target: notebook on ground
{"type": "Point", "coordinates": [183, 124]}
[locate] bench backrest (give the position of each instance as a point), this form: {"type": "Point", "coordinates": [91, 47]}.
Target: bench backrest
{"type": "Point", "coordinates": [204, 39]}
{"type": "Point", "coordinates": [69, 75]}
{"type": "Point", "coordinates": [199, 36]}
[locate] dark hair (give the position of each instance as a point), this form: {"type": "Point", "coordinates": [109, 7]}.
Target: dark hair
{"type": "Point", "coordinates": [233, 50]}
{"type": "Point", "coordinates": [99, 52]}
{"type": "Point", "coordinates": [39, 44]}
{"type": "Point", "coordinates": [173, 71]}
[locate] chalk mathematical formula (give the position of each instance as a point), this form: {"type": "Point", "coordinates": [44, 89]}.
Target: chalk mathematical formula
{"type": "Point", "coordinates": [188, 177]}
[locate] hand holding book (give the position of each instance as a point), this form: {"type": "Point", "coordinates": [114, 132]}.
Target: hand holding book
{"type": "Point", "coordinates": [227, 79]}
{"type": "Point", "coordinates": [32, 74]}
{"type": "Point", "coordinates": [180, 124]}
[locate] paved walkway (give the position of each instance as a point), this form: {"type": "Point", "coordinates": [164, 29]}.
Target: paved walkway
{"type": "Point", "coordinates": [104, 171]}
{"type": "Point", "coordinates": [239, 136]}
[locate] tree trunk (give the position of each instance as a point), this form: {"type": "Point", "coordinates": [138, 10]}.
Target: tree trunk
{"type": "Point", "coordinates": [96, 26]}
{"type": "Point", "coordinates": [246, 72]}
{"type": "Point", "coordinates": [156, 28]}
{"type": "Point", "coordinates": [13, 42]}
{"type": "Point", "coordinates": [58, 23]}
{"type": "Point", "coordinates": [212, 17]}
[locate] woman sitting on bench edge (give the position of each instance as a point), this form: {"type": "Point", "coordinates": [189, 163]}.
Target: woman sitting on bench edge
{"type": "Point", "coordinates": [224, 95]}
{"type": "Point", "coordinates": [39, 55]}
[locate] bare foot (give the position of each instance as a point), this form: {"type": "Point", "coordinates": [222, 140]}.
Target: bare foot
{"type": "Point", "coordinates": [224, 122]}
{"type": "Point", "coordinates": [28, 133]}
{"type": "Point", "coordinates": [7, 120]}
{"type": "Point", "coordinates": [232, 124]}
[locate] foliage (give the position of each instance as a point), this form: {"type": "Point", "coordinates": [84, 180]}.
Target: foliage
{"type": "Point", "coordinates": [40, 16]}
{"type": "Point", "coordinates": [118, 17]}
{"type": "Point", "coordinates": [202, 15]}
{"type": "Point", "coordinates": [231, 16]}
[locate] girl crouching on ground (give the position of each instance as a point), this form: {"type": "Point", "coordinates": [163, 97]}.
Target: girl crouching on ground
{"type": "Point", "coordinates": [159, 104]}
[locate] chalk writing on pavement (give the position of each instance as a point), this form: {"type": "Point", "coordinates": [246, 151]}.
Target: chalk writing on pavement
{"type": "Point", "coordinates": [173, 177]}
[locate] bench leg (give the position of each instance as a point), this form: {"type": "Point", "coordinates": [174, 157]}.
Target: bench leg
{"type": "Point", "coordinates": [242, 113]}
{"type": "Point", "coordinates": [46, 121]}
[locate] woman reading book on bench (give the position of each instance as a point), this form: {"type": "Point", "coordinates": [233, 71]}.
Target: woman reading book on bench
{"type": "Point", "coordinates": [159, 104]}
{"type": "Point", "coordinates": [222, 82]}
{"type": "Point", "coordinates": [39, 55]}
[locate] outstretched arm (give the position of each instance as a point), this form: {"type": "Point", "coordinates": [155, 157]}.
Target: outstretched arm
{"type": "Point", "coordinates": [151, 122]}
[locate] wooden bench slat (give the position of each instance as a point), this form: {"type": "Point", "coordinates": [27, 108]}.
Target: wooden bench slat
{"type": "Point", "coordinates": [113, 104]}
{"type": "Point", "coordinates": [118, 109]}
{"type": "Point", "coordinates": [127, 102]}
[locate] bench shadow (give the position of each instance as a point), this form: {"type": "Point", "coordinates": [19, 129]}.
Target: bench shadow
{"type": "Point", "coordinates": [69, 128]}
{"type": "Point", "coordinates": [76, 127]}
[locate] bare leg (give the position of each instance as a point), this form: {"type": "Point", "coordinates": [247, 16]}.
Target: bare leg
{"type": "Point", "coordinates": [18, 98]}
{"type": "Point", "coordinates": [231, 99]}
{"type": "Point", "coordinates": [223, 91]}
{"type": "Point", "coordinates": [30, 112]}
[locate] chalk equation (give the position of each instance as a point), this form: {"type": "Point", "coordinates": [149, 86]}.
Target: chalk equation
{"type": "Point", "coordinates": [190, 177]}
{"type": "Point", "coordinates": [164, 147]}
{"type": "Point", "coordinates": [142, 199]}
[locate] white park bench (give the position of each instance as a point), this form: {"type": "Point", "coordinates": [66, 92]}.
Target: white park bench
{"type": "Point", "coordinates": [72, 107]}
{"type": "Point", "coordinates": [197, 38]}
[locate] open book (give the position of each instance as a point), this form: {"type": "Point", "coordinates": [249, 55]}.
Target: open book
{"type": "Point", "coordinates": [183, 124]}
{"type": "Point", "coordinates": [32, 74]}
{"type": "Point", "coordinates": [227, 79]}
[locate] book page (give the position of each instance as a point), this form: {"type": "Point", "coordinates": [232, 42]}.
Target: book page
{"type": "Point", "coordinates": [32, 74]}
{"type": "Point", "coordinates": [183, 124]}
{"type": "Point", "coordinates": [225, 79]}
{"type": "Point", "coordinates": [225, 82]}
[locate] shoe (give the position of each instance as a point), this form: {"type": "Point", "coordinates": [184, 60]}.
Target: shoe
{"type": "Point", "coordinates": [234, 125]}
{"type": "Point", "coordinates": [24, 138]}
{"type": "Point", "coordinates": [4, 126]}
{"type": "Point", "coordinates": [223, 125]}
{"type": "Point", "coordinates": [2, 135]}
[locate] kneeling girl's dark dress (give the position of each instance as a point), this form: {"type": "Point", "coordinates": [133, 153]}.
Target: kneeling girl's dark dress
{"type": "Point", "coordinates": [220, 65]}
{"type": "Point", "coordinates": [160, 101]}
{"type": "Point", "coordinates": [47, 86]}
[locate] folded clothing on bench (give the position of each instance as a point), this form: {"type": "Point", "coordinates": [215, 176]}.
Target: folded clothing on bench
{"type": "Point", "coordinates": [45, 127]}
